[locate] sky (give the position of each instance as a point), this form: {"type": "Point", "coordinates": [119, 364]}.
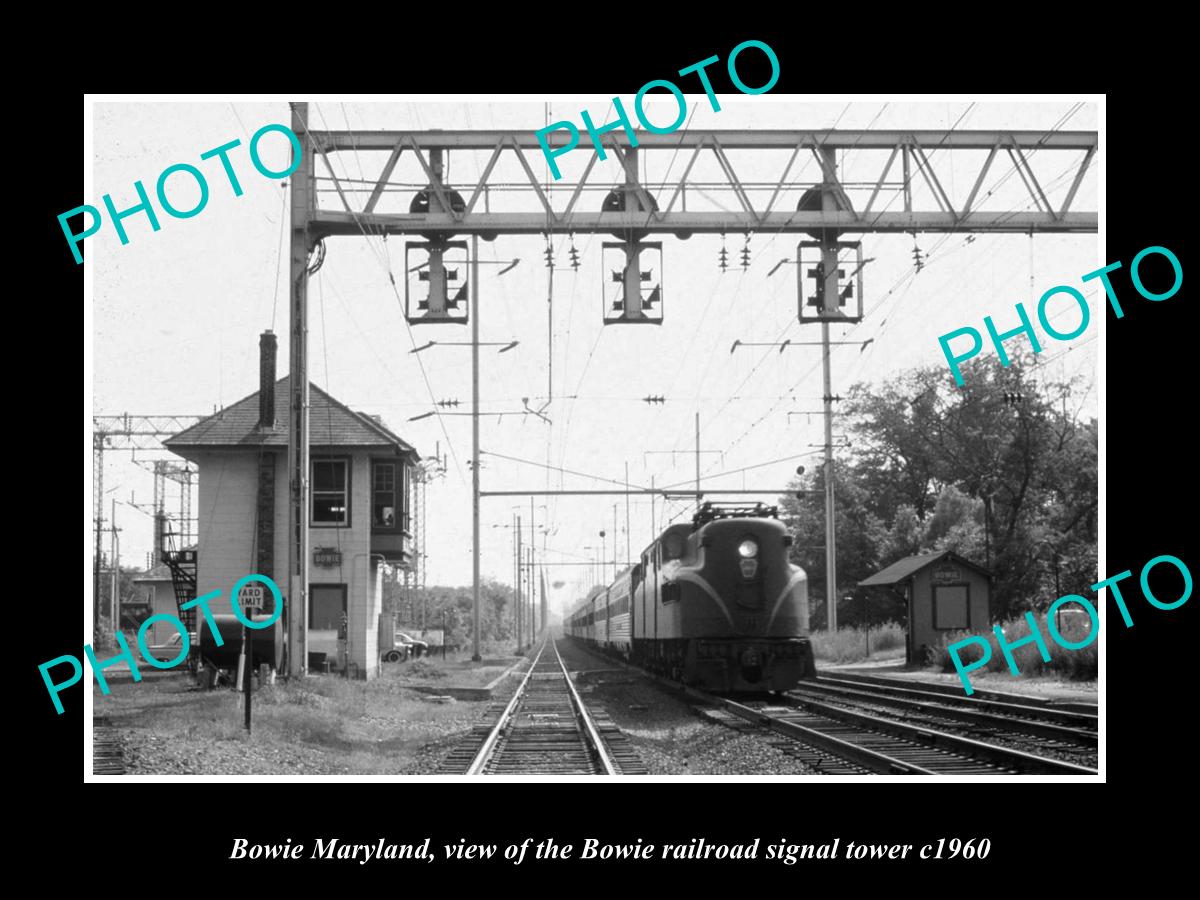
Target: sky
{"type": "Point", "coordinates": [177, 312]}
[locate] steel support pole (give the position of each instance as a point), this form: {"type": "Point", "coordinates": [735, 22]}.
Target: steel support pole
{"type": "Point", "coordinates": [653, 516]}
{"type": "Point", "coordinates": [628, 539]}
{"type": "Point", "coordinates": [615, 533]}
{"type": "Point", "coordinates": [475, 657]}
{"type": "Point", "coordinates": [298, 478]}
{"type": "Point", "coordinates": [98, 450]}
{"type": "Point", "coordinates": [115, 568]}
{"type": "Point", "coordinates": [830, 535]}
{"type": "Point", "coordinates": [830, 292]}
{"type": "Point", "coordinates": [517, 582]}
{"type": "Point", "coordinates": [532, 543]}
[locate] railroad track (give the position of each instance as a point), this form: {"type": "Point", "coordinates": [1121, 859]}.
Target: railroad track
{"type": "Point", "coordinates": [836, 740]}
{"type": "Point", "coordinates": [880, 745]}
{"type": "Point", "coordinates": [108, 758]}
{"type": "Point", "coordinates": [1070, 713]}
{"type": "Point", "coordinates": [1013, 724]}
{"type": "Point", "coordinates": [545, 729]}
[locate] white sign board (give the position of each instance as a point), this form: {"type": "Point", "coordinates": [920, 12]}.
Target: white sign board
{"type": "Point", "coordinates": [252, 597]}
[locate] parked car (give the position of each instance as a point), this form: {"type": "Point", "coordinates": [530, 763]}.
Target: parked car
{"type": "Point", "coordinates": [168, 651]}
{"type": "Point", "coordinates": [403, 647]}
{"type": "Point", "coordinates": [416, 646]}
{"type": "Point", "coordinates": [396, 654]}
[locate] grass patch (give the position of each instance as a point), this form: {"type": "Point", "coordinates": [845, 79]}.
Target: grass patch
{"type": "Point", "coordinates": [848, 645]}
{"type": "Point", "coordinates": [318, 725]}
{"type": "Point", "coordinates": [1073, 665]}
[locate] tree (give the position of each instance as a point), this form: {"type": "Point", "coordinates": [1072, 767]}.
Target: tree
{"type": "Point", "coordinates": [859, 532]}
{"type": "Point", "coordinates": [495, 608]}
{"type": "Point", "coordinates": [1000, 471]}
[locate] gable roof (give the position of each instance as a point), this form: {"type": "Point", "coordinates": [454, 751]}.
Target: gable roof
{"type": "Point", "coordinates": [330, 424]}
{"type": "Point", "coordinates": [906, 568]}
{"type": "Point", "coordinates": [161, 572]}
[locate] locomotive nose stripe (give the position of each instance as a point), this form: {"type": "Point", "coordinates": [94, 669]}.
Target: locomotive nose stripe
{"type": "Point", "coordinates": [708, 589]}
{"type": "Point", "coordinates": [778, 600]}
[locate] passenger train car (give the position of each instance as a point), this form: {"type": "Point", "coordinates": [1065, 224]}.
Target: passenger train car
{"type": "Point", "coordinates": [715, 603]}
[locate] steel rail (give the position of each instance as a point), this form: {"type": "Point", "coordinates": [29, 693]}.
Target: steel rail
{"type": "Point", "coordinates": [1068, 713]}
{"type": "Point", "coordinates": [967, 749]}
{"type": "Point", "coordinates": [945, 708]}
{"type": "Point", "coordinates": [1017, 759]}
{"type": "Point", "coordinates": [585, 719]}
{"type": "Point", "coordinates": [489, 744]}
{"type": "Point", "coordinates": [869, 759]}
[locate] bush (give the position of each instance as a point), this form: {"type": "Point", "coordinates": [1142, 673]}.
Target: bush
{"type": "Point", "coordinates": [102, 634]}
{"type": "Point", "coordinates": [850, 644]}
{"type": "Point", "coordinates": [1076, 665]}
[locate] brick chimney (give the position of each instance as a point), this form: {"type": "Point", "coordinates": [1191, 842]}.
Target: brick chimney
{"type": "Point", "coordinates": [266, 380]}
{"type": "Point", "coordinates": [265, 501]}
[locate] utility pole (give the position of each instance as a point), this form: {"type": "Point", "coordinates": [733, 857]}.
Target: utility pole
{"type": "Point", "coordinates": [115, 556]}
{"type": "Point", "coordinates": [829, 297]}
{"type": "Point", "coordinates": [532, 544]}
{"type": "Point", "coordinates": [698, 459]}
{"type": "Point", "coordinates": [830, 537]}
{"type": "Point", "coordinates": [98, 481]}
{"type": "Point", "coordinates": [475, 657]}
{"type": "Point", "coordinates": [628, 546]}
{"type": "Point", "coordinates": [615, 533]}
{"type": "Point", "coordinates": [532, 594]}
{"type": "Point", "coordinates": [653, 516]}
{"type": "Point", "coordinates": [296, 608]}
{"type": "Point", "coordinates": [517, 583]}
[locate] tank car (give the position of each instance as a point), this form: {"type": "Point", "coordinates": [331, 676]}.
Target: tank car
{"type": "Point", "coordinates": [715, 603]}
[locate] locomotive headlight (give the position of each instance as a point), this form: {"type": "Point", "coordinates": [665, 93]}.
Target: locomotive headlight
{"type": "Point", "coordinates": [748, 549]}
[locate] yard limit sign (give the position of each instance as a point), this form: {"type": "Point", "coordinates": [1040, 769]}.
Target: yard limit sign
{"type": "Point", "coordinates": [252, 598]}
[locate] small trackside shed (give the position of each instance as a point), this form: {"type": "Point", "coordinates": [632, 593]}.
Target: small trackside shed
{"type": "Point", "coordinates": [942, 591]}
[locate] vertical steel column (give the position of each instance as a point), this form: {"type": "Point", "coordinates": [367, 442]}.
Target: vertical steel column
{"type": "Point", "coordinates": [517, 582]}
{"type": "Point", "coordinates": [298, 482]}
{"type": "Point", "coordinates": [830, 538]}
{"type": "Point", "coordinates": [531, 591]}
{"type": "Point", "coordinates": [474, 312]}
{"type": "Point", "coordinates": [830, 294]}
{"type": "Point", "coordinates": [423, 537]}
{"type": "Point", "coordinates": [615, 533]}
{"type": "Point", "coordinates": [628, 539]}
{"type": "Point", "coordinates": [114, 567]}
{"type": "Point", "coordinates": [98, 485]}
{"type": "Point", "coordinates": [529, 594]}
{"type": "Point", "coordinates": [653, 516]}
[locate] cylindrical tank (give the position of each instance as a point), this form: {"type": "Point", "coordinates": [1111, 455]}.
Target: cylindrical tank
{"type": "Point", "coordinates": [266, 643]}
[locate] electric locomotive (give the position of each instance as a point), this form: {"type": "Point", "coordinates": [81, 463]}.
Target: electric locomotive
{"type": "Point", "coordinates": [716, 604]}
